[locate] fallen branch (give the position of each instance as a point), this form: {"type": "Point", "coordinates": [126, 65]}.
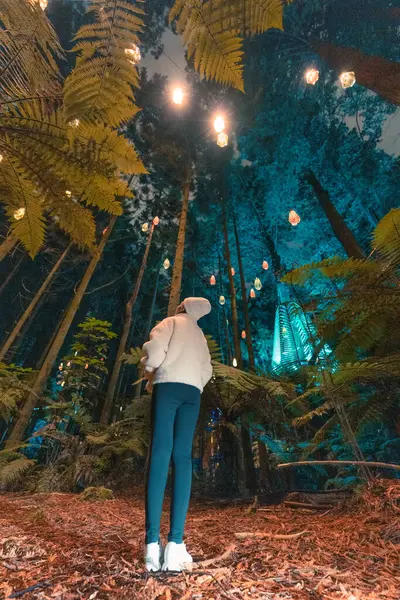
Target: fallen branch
{"type": "Point", "coordinates": [340, 462]}
{"type": "Point", "coordinates": [210, 561]}
{"type": "Point", "coordinates": [307, 505]}
{"type": "Point", "coordinates": [276, 536]}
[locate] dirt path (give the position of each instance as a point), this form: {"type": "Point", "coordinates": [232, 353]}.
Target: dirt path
{"type": "Point", "coordinates": [55, 546]}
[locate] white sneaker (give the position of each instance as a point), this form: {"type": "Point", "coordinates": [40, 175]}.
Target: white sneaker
{"type": "Point", "coordinates": [152, 557]}
{"type": "Point", "coordinates": [176, 557]}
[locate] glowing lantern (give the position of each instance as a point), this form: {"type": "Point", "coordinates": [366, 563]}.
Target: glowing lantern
{"type": "Point", "coordinates": [213, 281]}
{"type": "Point", "coordinates": [177, 96]}
{"type": "Point", "coordinates": [1, 158]}
{"type": "Point", "coordinates": [234, 362]}
{"type": "Point", "coordinates": [284, 330]}
{"type": "Point", "coordinates": [74, 123]}
{"type": "Point", "coordinates": [244, 335]}
{"type": "Point", "coordinates": [156, 221]}
{"type": "Point", "coordinates": [347, 79]}
{"type": "Point", "coordinates": [294, 218]}
{"type": "Point", "coordinates": [233, 272]}
{"type": "Point", "coordinates": [134, 54]}
{"type": "Point", "coordinates": [166, 264]}
{"type": "Point", "coordinates": [69, 363]}
{"type": "Point", "coordinates": [252, 293]}
{"type": "Point", "coordinates": [43, 4]}
{"type": "Point", "coordinates": [105, 230]}
{"type": "Point", "coordinates": [257, 284]}
{"type": "Point", "coordinates": [62, 383]}
{"type": "Point", "coordinates": [219, 124]}
{"type": "Point", "coordinates": [60, 366]}
{"type": "Point", "coordinates": [265, 265]}
{"type": "Point", "coordinates": [312, 76]}
{"type": "Point", "coordinates": [19, 214]}
{"type": "Point", "coordinates": [222, 300]}
{"type": "Point", "coordinates": [87, 366]}
{"type": "Point", "coordinates": [222, 140]}
{"type": "Point", "coordinates": [145, 227]}
{"type": "Point", "coordinates": [68, 193]}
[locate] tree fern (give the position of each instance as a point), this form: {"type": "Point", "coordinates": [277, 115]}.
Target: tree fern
{"type": "Point", "coordinates": [14, 470]}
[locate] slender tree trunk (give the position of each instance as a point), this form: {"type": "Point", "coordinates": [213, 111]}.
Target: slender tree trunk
{"type": "Point", "coordinates": [35, 300]}
{"type": "Point", "coordinates": [245, 304]}
{"type": "Point", "coordinates": [340, 229]}
{"type": "Point", "coordinates": [108, 403]}
{"type": "Point", "coordinates": [235, 325]}
{"type": "Point", "coordinates": [7, 246]}
{"type": "Point", "coordinates": [21, 424]}
{"type": "Point", "coordinates": [376, 73]}
{"type": "Point", "coordinates": [176, 283]}
{"type": "Point", "coordinates": [11, 274]}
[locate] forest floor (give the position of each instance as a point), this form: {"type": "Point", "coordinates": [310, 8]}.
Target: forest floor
{"type": "Point", "coordinates": [57, 546]}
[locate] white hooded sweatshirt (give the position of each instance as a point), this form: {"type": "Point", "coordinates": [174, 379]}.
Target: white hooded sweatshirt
{"type": "Point", "coordinates": [177, 350]}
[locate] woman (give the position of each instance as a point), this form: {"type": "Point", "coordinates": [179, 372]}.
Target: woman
{"type": "Point", "coordinates": [178, 365]}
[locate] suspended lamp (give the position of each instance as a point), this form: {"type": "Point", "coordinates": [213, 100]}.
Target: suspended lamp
{"type": "Point", "coordinates": [347, 79]}
{"type": "Point", "coordinates": [166, 264]}
{"type": "Point", "coordinates": [177, 96]}
{"type": "Point", "coordinates": [74, 123]}
{"type": "Point", "coordinates": [219, 124]}
{"type": "Point", "coordinates": [62, 383]}
{"type": "Point", "coordinates": [265, 265]}
{"type": "Point", "coordinates": [294, 218]}
{"type": "Point", "coordinates": [257, 284]}
{"type": "Point", "coordinates": [234, 362]}
{"type": "Point", "coordinates": [213, 281]}
{"type": "Point", "coordinates": [284, 330]}
{"type": "Point", "coordinates": [105, 230]}
{"type": "Point", "coordinates": [252, 293]}
{"type": "Point", "coordinates": [19, 213]}
{"type": "Point", "coordinates": [312, 76]}
{"type": "Point", "coordinates": [233, 272]}
{"type": "Point", "coordinates": [1, 158]}
{"type": "Point", "coordinates": [244, 335]}
{"type": "Point", "coordinates": [87, 366]}
{"type": "Point", "coordinates": [222, 140]}
{"type": "Point", "coordinates": [133, 53]}
{"type": "Point", "coordinates": [145, 227]}
{"type": "Point", "coordinates": [156, 221]}
{"type": "Point", "coordinates": [222, 300]}
{"type": "Point", "coordinates": [68, 193]}
{"type": "Point", "coordinates": [43, 4]}
{"type": "Point", "coordinates": [69, 363]}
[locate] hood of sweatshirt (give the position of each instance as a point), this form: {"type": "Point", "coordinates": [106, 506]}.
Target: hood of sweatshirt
{"type": "Point", "coordinates": [197, 307]}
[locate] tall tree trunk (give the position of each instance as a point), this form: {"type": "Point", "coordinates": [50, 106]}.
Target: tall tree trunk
{"type": "Point", "coordinates": [35, 300]}
{"type": "Point", "coordinates": [340, 229]}
{"type": "Point", "coordinates": [373, 72]}
{"type": "Point", "coordinates": [11, 274]}
{"type": "Point", "coordinates": [21, 424]}
{"type": "Point", "coordinates": [235, 325]}
{"type": "Point", "coordinates": [7, 246]}
{"type": "Point", "coordinates": [176, 283]}
{"type": "Point", "coordinates": [245, 304]}
{"type": "Point", "coordinates": [109, 400]}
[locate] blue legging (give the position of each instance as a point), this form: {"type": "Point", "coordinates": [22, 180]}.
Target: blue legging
{"type": "Point", "coordinates": [175, 410]}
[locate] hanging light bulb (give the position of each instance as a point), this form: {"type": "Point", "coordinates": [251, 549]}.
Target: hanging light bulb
{"type": "Point", "coordinates": [105, 230]}
{"type": "Point", "coordinates": [244, 335]}
{"type": "Point", "coordinates": [69, 363]}
{"type": "Point", "coordinates": [234, 362]}
{"type": "Point", "coordinates": [213, 281]}
{"type": "Point", "coordinates": [145, 227]}
{"type": "Point", "coordinates": [133, 53]}
{"type": "Point", "coordinates": [257, 284]}
{"type": "Point", "coordinates": [294, 218]}
{"type": "Point", "coordinates": [265, 265]}
{"type": "Point", "coordinates": [347, 79]}
{"type": "Point", "coordinates": [177, 96]}
{"type": "Point", "coordinates": [87, 366]}
{"type": "Point", "coordinates": [1, 158]}
{"type": "Point", "coordinates": [62, 383]}
{"type": "Point", "coordinates": [19, 213]}
{"type": "Point", "coordinates": [166, 264]}
{"type": "Point", "coordinates": [156, 221]}
{"type": "Point", "coordinates": [222, 140]}
{"type": "Point", "coordinates": [43, 4]}
{"type": "Point", "coordinates": [74, 123]}
{"type": "Point", "coordinates": [60, 366]}
{"type": "Point", "coordinates": [252, 293]}
{"type": "Point", "coordinates": [68, 193]}
{"type": "Point", "coordinates": [222, 300]}
{"type": "Point", "coordinates": [312, 76]}
{"type": "Point", "coordinates": [233, 272]}
{"type": "Point", "coordinates": [219, 124]}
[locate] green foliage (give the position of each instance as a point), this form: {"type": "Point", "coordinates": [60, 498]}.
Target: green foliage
{"type": "Point", "coordinates": [14, 384]}
{"type": "Point", "coordinates": [96, 494]}
{"type": "Point", "coordinates": [13, 466]}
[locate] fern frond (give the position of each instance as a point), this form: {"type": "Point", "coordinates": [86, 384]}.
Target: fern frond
{"type": "Point", "coordinates": [134, 356]}
{"type": "Point", "coordinates": [331, 268]}
{"type": "Point", "coordinates": [387, 236]}
{"type": "Point", "coordinates": [14, 471]}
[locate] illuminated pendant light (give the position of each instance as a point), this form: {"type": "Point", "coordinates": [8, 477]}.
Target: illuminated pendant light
{"type": "Point", "coordinates": [74, 123]}
{"type": "Point", "coordinates": [68, 193]}
{"type": "Point", "coordinates": [145, 227]}
{"type": "Point", "coordinates": [294, 218]}
{"type": "Point", "coordinates": [257, 284]}
{"type": "Point", "coordinates": [284, 330]}
{"type": "Point", "coordinates": [347, 79]}
{"type": "Point", "coordinates": [43, 4]}
{"type": "Point", "coordinates": [105, 230]}
{"type": "Point", "coordinates": [213, 281]}
{"type": "Point", "coordinates": [233, 272]}
{"type": "Point", "coordinates": [1, 158]}
{"type": "Point", "coordinates": [312, 76]}
{"type": "Point", "coordinates": [219, 124]}
{"type": "Point", "coordinates": [234, 362]}
{"type": "Point", "coordinates": [133, 53]}
{"type": "Point", "coordinates": [177, 96]}
{"type": "Point", "coordinates": [222, 140]}
{"type": "Point", "coordinates": [19, 213]}
{"type": "Point", "coordinates": [87, 366]}
{"type": "Point", "coordinates": [156, 221]}
{"type": "Point", "coordinates": [222, 300]}
{"type": "Point", "coordinates": [166, 264]}
{"type": "Point", "coordinates": [252, 293]}
{"type": "Point", "coordinates": [244, 335]}
{"type": "Point", "coordinates": [265, 265]}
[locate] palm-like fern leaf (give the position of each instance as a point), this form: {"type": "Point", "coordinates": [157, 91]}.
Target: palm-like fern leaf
{"type": "Point", "coordinates": [387, 236]}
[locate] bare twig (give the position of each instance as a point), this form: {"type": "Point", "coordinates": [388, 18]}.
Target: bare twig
{"type": "Point", "coordinates": [210, 561]}
{"type": "Point", "coordinates": [340, 462]}
{"type": "Point", "coordinates": [259, 535]}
